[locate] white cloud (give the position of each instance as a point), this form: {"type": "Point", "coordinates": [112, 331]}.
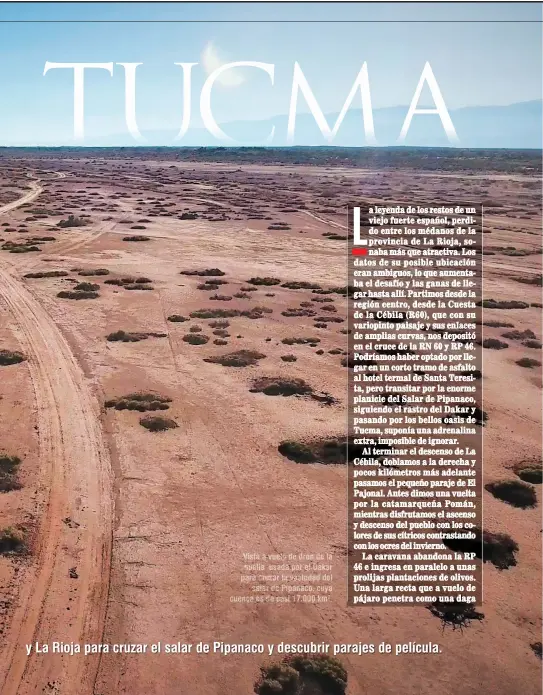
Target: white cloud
{"type": "Point", "coordinates": [211, 60]}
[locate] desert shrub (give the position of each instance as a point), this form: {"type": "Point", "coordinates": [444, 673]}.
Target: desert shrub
{"type": "Point", "coordinates": [126, 337]}
{"type": "Point", "coordinates": [496, 548]}
{"type": "Point", "coordinates": [301, 285]}
{"type": "Point", "coordinates": [207, 286]}
{"type": "Point", "coordinates": [221, 297]}
{"type": "Point", "coordinates": [8, 357]}
{"type": "Point", "coordinates": [195, 329]}
{"type": "Point", "coordinates": [537, 649]}
{"type": "Point", "coordinates": [47, 274]}
{"type": "Point", "coordinates": [138, 286]}
{"type": "Point", "coordinates": [68, 294]}
{"type": "Point", "coordinates": [195, 339]}
{"type": "Point", "coordinates": [519, 335]}
{"type": "Point", "coordinates": [498, 324]}
{"type": "Point", "coordinates": [330, 450]}
{"type": "Point", "coordinates": [155, 423]}
{"type": "Point", "coordinates": [219, 324]}
{"type": "Point", "coordinates": [138, 226]}
{"type": "Point", "coordinates": [239, 358]}
{"type": "Point", "coordinates": [176, 318]}
{"type": "Point", "coordinates": [72, 221]}
{"type": "Point", "coordinates": [502, 304]}
{"type": "Point", "coordinates": [530, 471]}
{"type": "Point", "coordinates": [211, 272]}
{"type": "Point", "coordinates": [214, 313]}
{"type": "Point", "coordinates": [289, 313]}
{"type": "Point", "coordinates": [494, 344]}
{"type": "Point", "coordinates": [266, 281]}
{"type": "Point", "coordinates": [93, 271]}
{"type": "Point", "coordinates": [136, 237]}
{"type": "Point", "coordinates": [257, 312]}
{"type": "Point", "coordinates": [220, 341]}
{"type": "Point", "coordinates": [536, 280]}
{"type": "Point", "coordinates": [11, 541]}
{"type": "Point", "coordinates": [22, 248]}
{"type": "Point", "coordinates": [8, 473]}
{"type": "Point", "coordinates": [289, 358]}
{"type": "Point", "coordinates": [221, 333]}
{"type": "Point", "coordinates": [514, 493]}
{"type": "Point", "coordinates": [86, 287]}
{"type": "Point", "coordinates": [241, 295]}
{"type": "Point", "coordinates": [303, 674]}
{"type": "Point", "coordinates": [528, 362]}
{"type": "Point", "coordinates": [301, 341]}
{"type": "Point", "coordinates": [536, 344]}
{"type": "Point", "coordinates": [279, 386]}
{"type": "Point", "coordinates": [139, 401]}
{"type": "Point", "coordinates": [456, 614]}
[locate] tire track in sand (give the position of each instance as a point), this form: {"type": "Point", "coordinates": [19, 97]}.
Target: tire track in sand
{"type": "Point", "coordinates": [76, 480]}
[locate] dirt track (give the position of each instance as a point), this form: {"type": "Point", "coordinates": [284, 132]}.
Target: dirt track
{"type": "Point", "coordinates": [75, 474]}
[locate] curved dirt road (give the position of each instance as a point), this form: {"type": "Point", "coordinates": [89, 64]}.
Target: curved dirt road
{"type": "Point", "coordinates": [76, 522]}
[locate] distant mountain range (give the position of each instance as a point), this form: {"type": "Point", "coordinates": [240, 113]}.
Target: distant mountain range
{"type": "Point", "coordinates": [518, 125]}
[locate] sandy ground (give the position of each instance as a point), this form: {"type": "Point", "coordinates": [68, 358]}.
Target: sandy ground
{"type": "Point", "coordinates": [155, 525]}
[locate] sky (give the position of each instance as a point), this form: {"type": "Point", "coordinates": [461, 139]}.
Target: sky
{"type": "Point", "coordinates": [482, 54]}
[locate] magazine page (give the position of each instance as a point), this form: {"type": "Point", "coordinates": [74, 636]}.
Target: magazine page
{"type": "Point", "coordinates": [270, 348]}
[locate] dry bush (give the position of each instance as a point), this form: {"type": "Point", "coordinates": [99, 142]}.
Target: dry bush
{"type": "Point", "coordinates": [195, 339]}
{"type": "Point", "coordinates": [519, 335]}
{"type": "Point", "coordinates": [8, 473]}
{"type": "Point", "coordinates": [512, 492]}
{"type": "Point", "coordinates": [211, 272]}
{"type": "Point", "coordinates": [455, 614]}
{"type": "Point", "coordinates": [12, 541]}
{"type": "Point", "coordinates": [86, 287]}
{"type": "Point", "coordinates": [502, 304]}
{"type": "Point", "coordinates": [301, 285]}
{"type": "Point", "coordinates": [239, 358]}
{"type": "Point", "coordinates": [496, 548]}
{"type": "Point", "coordinates": [494, 344]}
{"type": "Point", "coordinates": [303, 674]}
{"type": "Point", "coordinates": [136, 237]}
{"type": "Point", "coordinates": [67, 294]}
{"type": "Point", "coordinates": [330, 450]}
{"type": "Point", "coordinates": [126, 337]}
{"type": "Point", "coordinates": [47, 274]}
{"type": "Point", "coordinates": [535, 344]}
{"type": "Point", "coordinates": [176, 318]}
{"type": "Point", "coordinates": [139, 401]}
{"type": "Point", "coordinates": [8, 357]}
{"type": "Point", "coordinates": [498, 324]}
{"type": "Point", "coordinates": [266, 281]}
{"type": "Point", "coordinates": [528, 362]}
{"type": "Point", "coordinates": [281, 386]}
{"type": "Point", "coordinates": [155, 423]}
{"type": "Point", "coordinates": [530, 471]}
{"type": "Point", "coordinates": [301, 341]}
{"type": "Point", "coordinates": [289, 358]}
{"type": "Point", "coordinates": [72, 221]}
{"type": "Point", "coordinates": [93, 271]}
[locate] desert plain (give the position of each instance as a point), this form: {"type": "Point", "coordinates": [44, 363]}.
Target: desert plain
{"type": "Point", "coordinates": [136, 271]}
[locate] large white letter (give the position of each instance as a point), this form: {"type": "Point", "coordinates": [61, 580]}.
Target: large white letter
{"type": "Point", "coordinates": [440, 110]}
{"type": "Point", "coordinates": [205, 96]}
{"type": "Point", "coordinates": [299, 82]}
{"type": "Point", "coordinates": [185, 122]}
{"type": "Point", "coordinates": [130, 100]}
{"type": "Point", "coordinates": [79, 88]}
